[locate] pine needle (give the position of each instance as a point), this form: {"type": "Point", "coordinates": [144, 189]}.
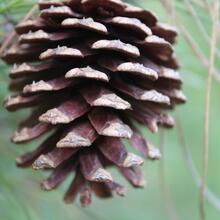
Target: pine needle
{"type": "Point", "coordinates": [199, 24]}
{"type": "Point", "coordinates": [170, 7]}
{"type": "Point", "coordinates": [193, 44]}
{"type": "Point", "coordinates": [211, 197]}
{"type": "Point", "coordinates": [166, 194]}
{"type": "Point", "coordinates": [171, 211]}
{"type": "Point", "coordinates": [207, 108]}
{"type": "Point", "coordinates": [207, 6]}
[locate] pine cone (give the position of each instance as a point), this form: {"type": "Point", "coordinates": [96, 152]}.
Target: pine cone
{"type": "Point", "coordinates": [91, 69]}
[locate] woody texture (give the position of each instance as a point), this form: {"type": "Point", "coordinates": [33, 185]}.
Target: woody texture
{"type": "Point", "coordinates": [92, 71]}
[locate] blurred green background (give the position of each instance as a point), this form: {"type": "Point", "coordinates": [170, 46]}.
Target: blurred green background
{"type": "Point", "coordinates": [20, 194]}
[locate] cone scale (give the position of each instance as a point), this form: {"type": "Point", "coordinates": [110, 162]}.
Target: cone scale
{"type": "Point", "coordinates": [91, 69]}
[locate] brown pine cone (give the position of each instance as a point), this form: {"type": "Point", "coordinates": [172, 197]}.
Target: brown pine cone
{"type": "Point", "coordinates": [91, 69]}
